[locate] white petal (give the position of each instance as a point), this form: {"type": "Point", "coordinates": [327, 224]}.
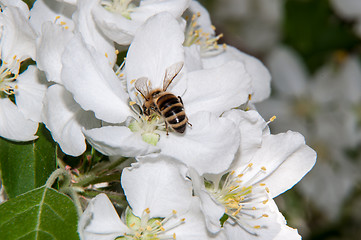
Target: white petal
{"type": "Point", "coordinates": [93, 83]}
{"type": "Point", "coordinates": [260, 76]}
{"type": "Point", "coordinates": [347, 8]}
{"type": "Point", "coordinates": [212, 210]}
{"type": "Point", "coordinates": [208, 146]}
{"type": "Point", "coordinates": [118, 140]}
{"type": "Point", "coordinates": [85, 24]}
{"type": "Point", "coordinates": [23, 7]}
{"type": "Point", "coordinates": [157, 45]}
{"type": "Point", "coordinates": [194, 227]}
{"type": "Point", "coordinates": [100, 220]}
{"type": "Point", "coordinates": [286, 159]}
{"type": "Point", "coordinates": [18, 37]}
{"type": "Point", "coordinates": [65, 120]}
{"type": "Point", "coordinates": [116, 27]}
{"type": "Point", "coordinates": [252, 128]}
{"type": "Point", "coordinates": [193, 58]}
{"type": "Point", "coordinates": [50, 10]}
{"type": "Point", "coordinates": [288, 233]}
{"type": "Point", "coordinates": [217, 90]}
{"type": "Point", "coordinates": [31, 90]}
{"type": "Point", "coordinates": [159, 185]}
{"type": "Point", "coordinates": [13, 125]}
{"type": "Point", "coordinates": [148, 8]}
{"type": "Point", "coordinates": [50, 47]}
{"type": "Point", "coordinates": [290, 80]}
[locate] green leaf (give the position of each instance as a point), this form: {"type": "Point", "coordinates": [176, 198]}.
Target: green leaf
{"type": "Point", "coordinates": [40, 214]}
{"type": "Point", "coordinates": [25, 166]}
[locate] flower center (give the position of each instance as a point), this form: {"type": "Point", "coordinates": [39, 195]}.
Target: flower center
{"type": "Point", "coordinates": [123, 7]}
{"type": "Point", "coordinates": [146, 228]}
{"type": "Point", "coordinates": [244, 201]}
{"type": "Point", "coordinates": [147, 125]}
{"type": "Point", "coordinates": [194, 34]}
{"type": "Point", "coordinates": [8, 78]}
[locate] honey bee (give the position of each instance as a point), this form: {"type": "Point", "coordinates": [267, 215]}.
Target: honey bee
{"type": "Point", "coordinates": [164, 103]}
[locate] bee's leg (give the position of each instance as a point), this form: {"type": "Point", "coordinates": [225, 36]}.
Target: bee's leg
{"type": "Point", "coordinates": [166, 127]}
{"type": "Point", "coordinates": [180, 99]}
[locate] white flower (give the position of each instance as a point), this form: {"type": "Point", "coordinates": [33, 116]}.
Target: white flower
{"type": "Point", "coordinates": [156, 47]}
{"type": "Point", "coordinates": [266, 166]}
{"type": "Point", "coordinates": [62, 115]}
{"type": "Point", "coordinates": [161, 206]}
{"type": "Point", "coordinates": [20, 95]}
{"type": "Point", "coordinates": [120, 19]}
{"type": "Point", "coordinates": [201, 32]}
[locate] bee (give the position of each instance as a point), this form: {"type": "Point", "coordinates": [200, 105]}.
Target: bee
{"type": "Point", "coordinates": [163, 103]}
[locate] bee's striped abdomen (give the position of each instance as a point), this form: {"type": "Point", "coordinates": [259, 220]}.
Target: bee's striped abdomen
{"type": "Point", "coordinates": [173, 111]}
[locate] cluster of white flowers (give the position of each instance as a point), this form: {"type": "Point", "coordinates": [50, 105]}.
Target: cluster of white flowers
{"type": "Point", "coordinates": [216, 180]}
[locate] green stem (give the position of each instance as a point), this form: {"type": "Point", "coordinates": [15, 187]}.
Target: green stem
{"type": "Point", "coordinates": [56, 174]}
{"type": "Point", "coordinates": [74, 196]}
{"type": "Point", "coordinates": [98, 172]}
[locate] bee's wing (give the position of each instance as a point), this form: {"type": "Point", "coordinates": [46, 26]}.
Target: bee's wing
{"type": "Point", "coordinates": [170, 73]}
{"type": "Point", "coordinates": [141, 84]}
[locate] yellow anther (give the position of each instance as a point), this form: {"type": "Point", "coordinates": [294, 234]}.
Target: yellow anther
{"type": "Point", "coordinates": [66, 27]}
{"type": "Point", "coordinates": [121, 75]}
{"type": "Point", "coordinates": [213, 27]}
{"type": "Point", "coordinates": [257, 227]}
{"type": "Point", "coordinates": [231, 173]}
{"type": "Point", "coordinates": [250, 165]}
{"type": "Point", "coordinates": [62, 23]}
{"type": "Point", "coordinates": [57, 17]}
{"type": "Point", "coordinates": [158, 223]}
{"type": "Point", "coordinates": [264, 215]}
{"type": "Point", "coordinates": [198, 14]}
{"type": "Point", "coordinates": [149, 228]}
{"type": "Point", "coordinates": [224, 46]}
{"type": "Point", "coordinates": [193, 17]}
{"type": "Point", "coordinates": [106, 55]}
{"type": "Point", "coordinates": [262, 184]}
{"type": "Point", "coordinates": [132, 225]}
{"type": "Point", "coordinates": [162, 229]}
{"type": "Point", "coordinates": [183, 219]}
{"type": "Point", "coordinates": [254, 208]}
{"type": "Point", "coordinates": [174, 236]}
{"type": "Point", "coordinates": [242, 198]}
{"type": "Point", "coordinates": [249, 97]}
{"type": "Point", "coordinates": [131, 103]}
{"type": "Point", "coordinates": [263, 168]}
{"type": "Point", "coordinates": [237, 211]}
{"type": "Point", "coordinates": [240, 175]}
{"type": "Point", "coordinates": [267, 189]}
{"type": "Point", "coordinates": [14, 57]}
{"type": "Point", "coordinates": [272, 118]}
{"type": "Point", "coordinates": [147, 210]}
{"type": "Point", "coordinates": [16, 87]}
{"type": "Point", "coordinates": [174, 212]}
{"type": "Point", "coordinates": [265, 201]}
{"type": "Point", "coordinates": [194, 24]}
{"type": "Point", "coordinates": [138, 235]}
{"type": "Point", "coordinates": [132, 81]}
{"type": "Point", "coordinates": [116, 51]}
